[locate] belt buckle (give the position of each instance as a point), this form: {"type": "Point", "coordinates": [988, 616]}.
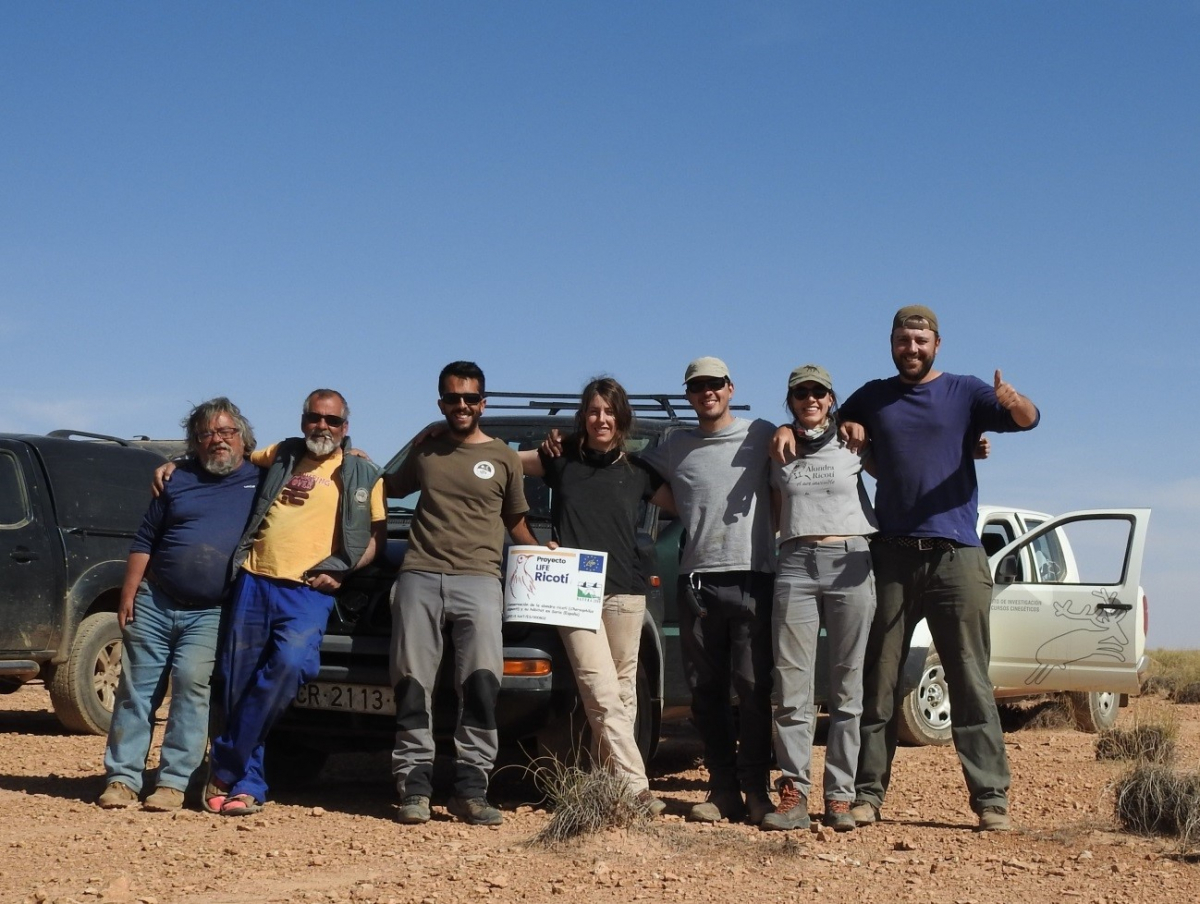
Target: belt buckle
{"type": "Point", "coordinates": [925, 544]}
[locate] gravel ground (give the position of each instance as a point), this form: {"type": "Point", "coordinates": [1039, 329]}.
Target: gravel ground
{"type": "Point", "coordinates": [337, 842]}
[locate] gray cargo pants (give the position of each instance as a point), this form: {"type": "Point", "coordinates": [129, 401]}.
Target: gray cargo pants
{"type": "Point", "coordinates": [422, 604]}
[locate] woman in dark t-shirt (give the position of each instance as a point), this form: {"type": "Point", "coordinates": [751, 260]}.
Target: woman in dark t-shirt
{"type": "Point", "coordinates": [598, 489]}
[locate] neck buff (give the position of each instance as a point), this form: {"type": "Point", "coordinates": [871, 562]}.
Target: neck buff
{"type": "Point", "coordinates": [814, 439]}
{"type": "Point", "coordinates": [597, 459]}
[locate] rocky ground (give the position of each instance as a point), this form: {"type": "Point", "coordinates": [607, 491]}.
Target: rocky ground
{"type": "Point", "coordinates": [337, 842]}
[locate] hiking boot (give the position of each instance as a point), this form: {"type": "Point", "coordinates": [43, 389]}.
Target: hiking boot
{"type": "Point", "coordinates": [837, 816]}
{"type": "Point", "coordinates": [994, 819]}
{"type": "Point", "coordinates": [117, 796]}
{"type": "Point", "coordinates": [649, 803]}
{"type": "Point", "coordinates": [163, 800]}
{"type": "Point", "coordinates": [475, 810]}
{"type": "Point", "coordinates": [413, 810]}
{"type": "Point", "coordinates": [792, 812]}
{"type": "Point", "coordinates": [758, 806]}
{"type": "Point", "coordinates": [864, 813]}
{"type": "Point", "coordinates": [720, 805]}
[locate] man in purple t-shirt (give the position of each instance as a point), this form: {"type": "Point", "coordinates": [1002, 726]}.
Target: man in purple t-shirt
{"type": "Point", "coordinates": [923, 427]}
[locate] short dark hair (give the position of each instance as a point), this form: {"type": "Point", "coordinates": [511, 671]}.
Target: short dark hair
{"type": "Point", "coordinates": [464, 370]}
{"type": "Point", "coordinates": [613, 393]}
{"type": "Point", "coordinates": [199, 418]}
{"type": "Point", "coordinates": [326, 394]}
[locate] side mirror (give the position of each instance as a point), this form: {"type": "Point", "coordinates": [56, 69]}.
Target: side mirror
{"type": "Point", "coordinates": [1007, 572]}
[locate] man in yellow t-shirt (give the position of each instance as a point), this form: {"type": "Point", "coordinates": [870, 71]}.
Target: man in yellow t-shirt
{"type": "Point", "coordinates": [320, 514]}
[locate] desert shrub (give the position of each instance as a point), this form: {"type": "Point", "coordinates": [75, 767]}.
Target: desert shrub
{"type": "Point", "coordinates": [1188, 693]}
{"type": "Point", "coordinates": [1143, 743]}
{"type": "Point", "coordinates": [1156, 800]}
{"type": "Point", "coordinates": [1171, 671]}
{"type": "Point", "coordinates": [1160, 685]}
{"type": "Point", "coordinates": [583, 800]}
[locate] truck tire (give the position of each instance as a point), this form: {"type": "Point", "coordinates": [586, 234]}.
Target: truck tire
{"type": "Point", "coordinates": [1094, 711]}
{"type": "Point", "coordinates": [924, 717]}
{"type": "Point", "coordinates": [84, 687]}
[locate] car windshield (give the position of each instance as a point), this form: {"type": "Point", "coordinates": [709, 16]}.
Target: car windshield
{"type": "Point", "coordinates": [518, 436]}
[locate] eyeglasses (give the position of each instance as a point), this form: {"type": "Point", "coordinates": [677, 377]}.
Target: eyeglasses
{"type": "Point", "coordinates": [225, 433]}
{"type": "Point", "coordinates": [707, 384]}
{"type": "Point", "coordinates": [800, 393]}
{"type": "Point", "coordinates": [453, 398]}
{"type": "Point", "coordinates": [314, 417]}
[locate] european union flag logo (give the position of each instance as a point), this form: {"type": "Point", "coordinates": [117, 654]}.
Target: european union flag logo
{"type": "Point", "coordinates": [591, 563]}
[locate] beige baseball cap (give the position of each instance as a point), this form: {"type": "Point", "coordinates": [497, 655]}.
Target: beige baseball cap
{"type": "Point", "coordinates": [810, 373]}
{"type": "Point", "coordinates": [706, 367]}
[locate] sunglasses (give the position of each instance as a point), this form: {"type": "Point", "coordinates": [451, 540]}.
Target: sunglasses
{"type": "Point", "coordinates": [312, 417]}
{"type": "Point", "coordinates": [453, 398]}
{"type": "Point", "coordinates": [800, 393]}
{"type": "Point", "coordinates": [709, 384]}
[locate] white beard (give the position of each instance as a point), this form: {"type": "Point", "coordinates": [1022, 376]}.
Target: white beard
{"type": "Point", "coordinates": [320, 445]}
{"type": "Point", "coordinates": [220, 467]}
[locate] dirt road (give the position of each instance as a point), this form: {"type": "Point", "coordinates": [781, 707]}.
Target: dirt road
{"type": "Point", "coordinates": [337, 842]}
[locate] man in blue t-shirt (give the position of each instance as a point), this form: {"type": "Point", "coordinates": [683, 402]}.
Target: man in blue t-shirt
{"type": "Point", "coordinates": [176, 584]}
{"type": "Point", "coordinates": [923, 426]}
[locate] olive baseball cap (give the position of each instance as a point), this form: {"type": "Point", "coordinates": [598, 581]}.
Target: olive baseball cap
{"type": "Point", "coordinates": [915, 312]}
{"type": "Point", "coordinates": [810, 373]}
{"type": "Point", "coordinates": [706, 367]}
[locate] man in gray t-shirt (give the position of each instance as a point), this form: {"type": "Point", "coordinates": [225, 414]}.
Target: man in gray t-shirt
{"type": "Point", "coordinates": [718, 473]}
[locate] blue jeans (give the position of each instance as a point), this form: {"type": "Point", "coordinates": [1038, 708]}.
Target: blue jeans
{"type": "Point", "coordinates": [165, 640]}
{"type": "Point", "coordinates": [273, 646]}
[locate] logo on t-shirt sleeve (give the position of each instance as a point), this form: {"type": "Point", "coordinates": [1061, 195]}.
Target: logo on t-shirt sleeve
{"type": "Point", "coordinates": [484, 470]}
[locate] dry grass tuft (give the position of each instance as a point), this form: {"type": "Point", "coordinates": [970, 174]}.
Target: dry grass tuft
{"type": "Point", "coordinates": [584, 801]}
{"type": "Point", "coordinates": [1142, 743]}
{"type": "Point", "coordinates": [1050, 715]}
{"type": "Point", "coordinates": [1156, 800]}
{"type": "Point", "coordinates": [1044, 715]}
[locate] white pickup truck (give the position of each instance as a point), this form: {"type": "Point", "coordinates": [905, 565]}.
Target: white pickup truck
{"type": "Point", "coordinates": [1068, 615]}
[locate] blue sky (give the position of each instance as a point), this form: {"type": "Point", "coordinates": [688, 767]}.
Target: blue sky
{"type": "Point", "coordinates": [258, 199]}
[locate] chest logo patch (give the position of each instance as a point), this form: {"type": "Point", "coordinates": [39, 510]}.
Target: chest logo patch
{"type": "Point", "coordinates": [484, 470]}
{"type": "Point", "coordinates": [297, 489]}
{"type": "Point", "coordinates": [361, 495]}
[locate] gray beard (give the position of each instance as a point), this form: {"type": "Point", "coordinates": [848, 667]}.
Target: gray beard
{"type": "Point", "coordinates": [220, 467]}
{"type": "Point", "coordinates": [320, 446]}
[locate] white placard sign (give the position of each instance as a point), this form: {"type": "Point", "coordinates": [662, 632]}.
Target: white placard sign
{"type": "Point", "coordinates": [554, 586]}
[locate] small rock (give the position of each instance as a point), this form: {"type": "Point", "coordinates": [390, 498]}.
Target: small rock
{"type": "Point", "coordinates": [317, 811]}
{"type": "Point", "coordinates": [903, 844]}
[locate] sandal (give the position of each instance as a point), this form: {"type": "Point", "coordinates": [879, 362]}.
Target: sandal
{"type": "Point", "coordinates": [241, 805]}
{"type": "Point", "coordinates": [214, 796]}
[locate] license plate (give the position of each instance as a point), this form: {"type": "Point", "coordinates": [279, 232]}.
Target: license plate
{"type": "Point", "coordinates": [350, 698]}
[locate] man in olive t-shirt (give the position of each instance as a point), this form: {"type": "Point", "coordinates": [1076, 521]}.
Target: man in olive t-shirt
{"type": "Point", "coordinates": [471, 491]}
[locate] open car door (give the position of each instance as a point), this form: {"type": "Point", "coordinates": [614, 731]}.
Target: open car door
{"type": "Point", "coordinates": [1067, 609]}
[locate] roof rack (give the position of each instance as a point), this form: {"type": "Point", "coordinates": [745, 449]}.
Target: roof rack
{"type": "Point", "coordinates": [650, 405]}
{"type": "Point", "coordinates": [68, 434]}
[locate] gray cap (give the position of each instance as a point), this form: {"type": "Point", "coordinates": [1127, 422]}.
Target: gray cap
{"type": "Point", "coordinates": [706, 367]}
{"type": "Point", "coordinates": [810, 373]}
{"type": "Point", "coordinates": [915, 312]}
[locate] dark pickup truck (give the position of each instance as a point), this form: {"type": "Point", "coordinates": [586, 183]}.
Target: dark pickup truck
{"type": "Point", "coordinates": [70, 504]}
